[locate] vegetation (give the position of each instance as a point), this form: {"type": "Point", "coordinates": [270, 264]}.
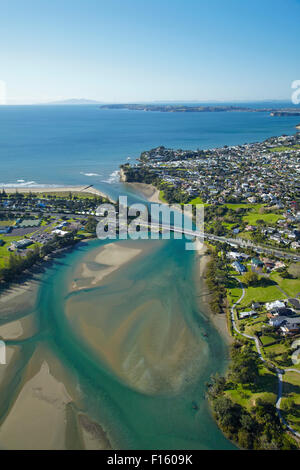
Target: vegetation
{"type": "Point", "coordinates": [251, 424]}
{"type": "Point", "coordinates": [216, 281]}
{"type": "Point", "coordinates": [17, 264]}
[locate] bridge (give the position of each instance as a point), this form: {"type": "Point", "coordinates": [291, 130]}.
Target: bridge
{"type": "Point", "coordinates": [234, 242]}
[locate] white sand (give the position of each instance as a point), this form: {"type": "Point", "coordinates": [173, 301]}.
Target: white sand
{"type": "Point", "coordinates": [110, 258]}
{"type": "Point", "coordinates": [54, 189]}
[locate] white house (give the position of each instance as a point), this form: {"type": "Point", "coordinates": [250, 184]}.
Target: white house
{"type": "Point", "coordinates": [276, 304]}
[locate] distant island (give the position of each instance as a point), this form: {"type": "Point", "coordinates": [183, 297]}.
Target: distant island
{"type": "Point", "coordinates": [201, 109]}
{"type": "Point", "coordinates": [74, 101]}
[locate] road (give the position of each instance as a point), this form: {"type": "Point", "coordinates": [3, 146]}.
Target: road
{"type": "Point", "coordinates": [238, 242]}
{"type": "Point", "coordinates": [278, 371]}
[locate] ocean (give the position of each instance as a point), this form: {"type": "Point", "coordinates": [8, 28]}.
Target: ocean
{"type": "Point", "coordinates": [85, 145]}
{"type": "Point", "coordinates": [137, 347]}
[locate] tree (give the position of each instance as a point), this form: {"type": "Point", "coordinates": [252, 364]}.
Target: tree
{"type": "Point", "coordinates": [91, 224]}
{"type": "Point", "coordinates": [228, 413]}
{"type": "Point", "coordinates": [250, 278]}
{"type": "Point", "coordinates": [288, 405]}
{"type": "Point", "coordinates": [244, 366]}
{"type": "Point", "coordinates": [294, 270]}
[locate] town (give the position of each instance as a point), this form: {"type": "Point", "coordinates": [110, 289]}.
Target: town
{"type": "Point", "coordinates": [36, 226]}
{"type": "Point", "coordinates": [252, 228]}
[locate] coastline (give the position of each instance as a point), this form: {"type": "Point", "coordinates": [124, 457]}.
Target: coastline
{"type": "Point", "coordinates": [150, 192]}
{"type": "Point", "coordinates": [218, 320]}
{"type": "Point", "coordinates": [53, 189]}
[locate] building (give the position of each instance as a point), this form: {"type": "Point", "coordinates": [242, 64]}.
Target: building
{"type": "Point", "coordinates": [290, 329]}
{"type": "Point", "coordinates": [256, 262]}
{"type": "Point", "coordinates": [277, 304]}
{"type": "Point", "coordinates": [15, 245]}
{"type": "Point", "coordinates": [4, 230]}
{"type": "Point", "coordinates": [60, 233]}
{"type": "Point", "coordinates": [284, 321]}
{"type": "Point", "coordinates": [239, 267]}
{"type": "Point", "coordinates": [247, 314]}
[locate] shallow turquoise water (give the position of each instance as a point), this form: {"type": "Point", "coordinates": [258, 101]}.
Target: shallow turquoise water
{"type": "Point", "coordinates": [134, 419]}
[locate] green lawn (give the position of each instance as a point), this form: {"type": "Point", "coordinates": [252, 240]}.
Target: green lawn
{"type": "Point", "coordinates": [7, 223]}
{"type": "Point", "coordinates": [267, 340]}
{"type": "Point", "coordinates": [161, 197]}
{"type": "Point", "coordinates": [254, 216]}
{"type": "Point", "coordinates": [4, 253]}
{"type": "Point", "coordinates": [266, 389]}
{"type": "Point", "coordinates": [291, 389]}
{"type": "Point", "coordinates": [290, 286]}
{"type": "Point", "coordinates": [234, 291]}
{"type": "Point", "coordinates": [261, 294]}
{"type": "Point", "coordinates": [243, 206]}
{"type": "Point", "coordinates": [196, 200]}
{"type": "Point", "coordinates": [283, 148]}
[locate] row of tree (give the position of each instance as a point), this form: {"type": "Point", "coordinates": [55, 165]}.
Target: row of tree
{"type": "Point", "coordinates": [17, 263]}
{"type": "Point", "coordinates": [259, 428]}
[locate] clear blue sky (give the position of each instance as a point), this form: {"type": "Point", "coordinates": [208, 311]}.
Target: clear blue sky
{"type": "Point", "coordinates": [144, 50]}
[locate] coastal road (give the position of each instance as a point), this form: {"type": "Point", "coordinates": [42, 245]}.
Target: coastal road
{"type": "Point", "coordinates": [238, 242]}
{"type": "Point", "coordinates": [278, 371]}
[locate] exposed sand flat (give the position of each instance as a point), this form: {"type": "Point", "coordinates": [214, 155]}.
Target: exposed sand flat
{"type": "Point", "coordinates": [149, 347]}
{"type": "Point", "coordinates": [18, 298]}
{"type": "Point", "coordinates": [94, 437]}
{"type": "Point", "coordinates": [147, 190]}
{"type": "Point", "coordinates": [11, 358]}
{"type": "Point", "coordinates": [110, 258]}
{"type": "Point", "coordinates": [18, 329]}
{"type": "Point", "coordinates": [38, 417]}
{"type": "Point", "coordinates": [54, 189]}
{"type": "Point", "coordinates": [11, 330]}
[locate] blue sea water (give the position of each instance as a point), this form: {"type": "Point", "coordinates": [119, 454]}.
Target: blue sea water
{"type": "Point", "coordinates": [86, 145]}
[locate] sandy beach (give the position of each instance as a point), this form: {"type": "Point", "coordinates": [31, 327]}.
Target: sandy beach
{"type": "Point", "coordinates": [147, 190]}
{"type": "Point", "coordinates": [219, 320]}
{"type": "Point", "coordinates": [53, 189]}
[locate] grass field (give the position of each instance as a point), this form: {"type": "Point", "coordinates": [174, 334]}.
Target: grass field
{"type": "Point", "coordinates": [6, 223]}
{"type": "Point", "coordinates": [4, 253]}
{"type": "Point", "coordinates": [261, 294]}
{"type": "Point", "coordinates": [243, 206]}
{"type": "Point", "coordinates": [291, 390]}
{"type": "Point", "coordinates": [196, 200]}
{"type": "Point", "coordinates": [266, 389]}
{"type": "Point", "coordinates": [161, 197]}
{"type": "Point", "coordinates": [284, 148]}
{"type": "Point", "coordinates": [290, 286]}
{"type": "Point", "coordinates": [254, 216]}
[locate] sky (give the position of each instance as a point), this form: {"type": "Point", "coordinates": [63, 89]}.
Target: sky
{"type": "Point", "coordinates": [147, 50]}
